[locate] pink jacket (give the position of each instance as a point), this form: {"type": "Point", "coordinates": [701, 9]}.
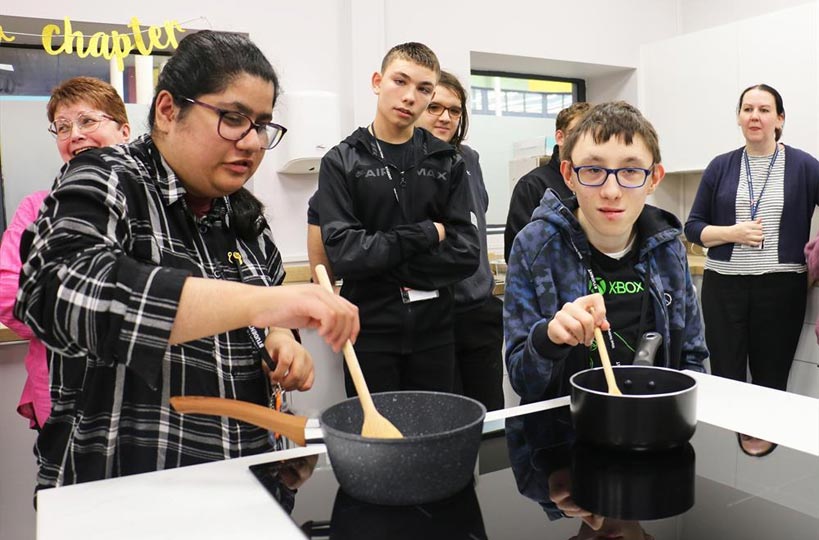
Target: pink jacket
{"type": "Point", "coordinates": [35, 402]}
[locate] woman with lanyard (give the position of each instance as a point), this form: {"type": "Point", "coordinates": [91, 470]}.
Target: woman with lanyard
{"type": "Point", "coordinates": [753, 211]}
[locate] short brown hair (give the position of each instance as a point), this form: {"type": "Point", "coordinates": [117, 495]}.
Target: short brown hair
{"type": "Point", "coordinates": [614, 119]}
{"type": "Point", "coordinates": [96, 92]}
{"type": "Point", "coordinates": [414, 52]}
{"type": "Point", "coordinates": [452, 83]}
{"type": "Point", "coordinates": [565, 117]}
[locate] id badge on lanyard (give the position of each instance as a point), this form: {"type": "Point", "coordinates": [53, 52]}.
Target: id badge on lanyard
{"type": "Point", "coordinates": [279, 399]}
{"type": "Point", "coordinates": [754, 202]}
{"type": "Point", "coordinates": [409, 296]}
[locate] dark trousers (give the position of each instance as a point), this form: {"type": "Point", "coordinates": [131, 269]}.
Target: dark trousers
{"type": "Point", "coordinates": [430, 369]}
{"type": "Point", "coordinates": [753, 322]}
{"type": "Point", "coordinates": [478, 353]}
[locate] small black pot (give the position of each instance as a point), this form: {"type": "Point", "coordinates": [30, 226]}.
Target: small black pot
{"type": "Point", "coordinates": [658, 408]}
{"type": "Point", "coordinates": [633, 485]}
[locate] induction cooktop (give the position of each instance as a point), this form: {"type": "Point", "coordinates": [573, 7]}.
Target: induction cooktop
{"type": "Point", "coordinates": [533, 481]}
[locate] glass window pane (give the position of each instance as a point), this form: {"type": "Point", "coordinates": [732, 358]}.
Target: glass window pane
{"type": "Point", "coordinates": [477, 100]}
{"type": "Point", "coordinates": [521, 95]}
{"type": "Point", "coordinates": [514, 102]}
{"type": "Point", "coordinates": [554, 103]}
{"type": "Point", "coordinates": [491, 100]}
{"type": "Point", "coordinates": [534, 103]}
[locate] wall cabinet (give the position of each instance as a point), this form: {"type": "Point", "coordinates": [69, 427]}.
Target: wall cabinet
{"type": "Point", "coordinates": [689, 84]}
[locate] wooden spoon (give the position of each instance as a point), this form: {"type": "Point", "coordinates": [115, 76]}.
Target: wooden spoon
{"type": "Point", "coordinates": [375, 425]}
{"type": "Point", "coordinates": [604, 359]}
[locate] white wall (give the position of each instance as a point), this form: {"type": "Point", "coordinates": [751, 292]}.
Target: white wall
{"type": "Point", "coordinates": [699, 14]}
{"type": "Point", "coordinates": [539, 29]}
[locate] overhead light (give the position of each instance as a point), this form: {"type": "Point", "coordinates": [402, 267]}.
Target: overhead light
{"type": "Point", "coordinates": [6, 67]}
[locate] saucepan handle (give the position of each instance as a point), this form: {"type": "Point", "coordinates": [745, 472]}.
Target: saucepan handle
{"type": "Point", "coordinates": [289, 425]}
{"type": "Point", "coordinates": [647, 349]}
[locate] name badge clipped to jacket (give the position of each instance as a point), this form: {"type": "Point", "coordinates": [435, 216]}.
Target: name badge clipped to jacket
{"type": "Point", "coordinates": [409, 296]}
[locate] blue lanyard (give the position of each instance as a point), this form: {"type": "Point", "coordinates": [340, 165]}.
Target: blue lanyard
{"type": "Point", "coordinates": [755, 203]}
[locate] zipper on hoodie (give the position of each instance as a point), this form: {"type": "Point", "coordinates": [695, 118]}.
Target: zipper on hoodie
{"type": "Point", "coordinates": [589, 271]}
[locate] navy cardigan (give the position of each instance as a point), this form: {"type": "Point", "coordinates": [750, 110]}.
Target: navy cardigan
{"type": "Point", "coordinates": [715, 203]}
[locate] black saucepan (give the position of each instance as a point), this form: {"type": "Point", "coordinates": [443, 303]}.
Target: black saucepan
{"type": "Point", "coordinates": [633, 485]}
{"type": "Point", "coordinates": [658, 408]}
{"type": "Point", "coordinates": [435, 459]}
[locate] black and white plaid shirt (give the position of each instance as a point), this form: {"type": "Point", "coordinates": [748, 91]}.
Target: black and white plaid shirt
{"type": "Point", "coordinates": [101, 285]}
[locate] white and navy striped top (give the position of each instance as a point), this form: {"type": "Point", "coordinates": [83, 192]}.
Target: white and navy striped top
{"type": "Point", "coordinates": [746, 260]}
{"type": "Point", "coordinates": [108, 257]}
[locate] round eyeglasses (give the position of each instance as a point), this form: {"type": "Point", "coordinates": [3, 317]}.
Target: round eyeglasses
{"type": "Point", "coordinates": [436, 109]}
{"type": "Point", "coordinates": [627, 177]}
{"type": "Point", "coordinates": [234, 126]}
{"type": "Point", "coordinates": [85, 122]}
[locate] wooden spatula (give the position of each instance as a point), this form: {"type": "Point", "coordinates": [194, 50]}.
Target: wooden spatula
{"type": "Point", "coordinates": [604, 359]}
{"type": "Point", "coordinates": [375, 425]}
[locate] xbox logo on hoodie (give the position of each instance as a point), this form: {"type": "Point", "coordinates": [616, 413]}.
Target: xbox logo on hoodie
{"type": "Point", "coordinates": [600, 288]}
{"type": "Point", "coordinates": [616, 287]}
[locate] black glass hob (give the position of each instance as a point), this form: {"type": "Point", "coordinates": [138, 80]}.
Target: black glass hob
{"type": "Point", "coordinates": [534, 481]}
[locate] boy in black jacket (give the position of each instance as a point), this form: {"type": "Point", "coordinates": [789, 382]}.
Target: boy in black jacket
{"type": "Point", "coordinates": [532, 185]}
{"type": "Point", "coordinates": [393, 207]}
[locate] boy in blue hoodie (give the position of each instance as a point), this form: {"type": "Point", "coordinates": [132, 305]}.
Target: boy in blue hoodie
{"type": "Point", "coordinates": [605, 249]}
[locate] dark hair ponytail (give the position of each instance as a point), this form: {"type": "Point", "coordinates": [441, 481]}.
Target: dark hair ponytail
{"type": "Point", "coordinates": [206, 63]}
{"type": "Point", "coordinates": [247, 215]}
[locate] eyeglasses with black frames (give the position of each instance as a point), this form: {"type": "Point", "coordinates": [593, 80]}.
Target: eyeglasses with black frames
{"type": "Point", "coordinates": [86, 122]}
{"type": "Point", "coordinates": [234, 126]}
{"type": "Point", "coordinates": [627, 177]}
{"type": "Point", "coordinates": [436, 109]}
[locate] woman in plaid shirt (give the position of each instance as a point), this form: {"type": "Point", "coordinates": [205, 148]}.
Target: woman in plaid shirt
{"type": "Point", "coordinates": [146, 268]}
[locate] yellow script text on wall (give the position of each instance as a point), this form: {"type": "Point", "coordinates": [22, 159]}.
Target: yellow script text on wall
{"type": "Point", "coordinates": [113, 44]}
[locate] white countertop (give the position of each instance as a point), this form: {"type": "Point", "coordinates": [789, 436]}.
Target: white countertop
{"type": "Point", "coordinates": [208, 501]}
{"type": "Point", "coordinates": [789, 419]}
{"type": "Point", "coordinates": [200, 502]}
